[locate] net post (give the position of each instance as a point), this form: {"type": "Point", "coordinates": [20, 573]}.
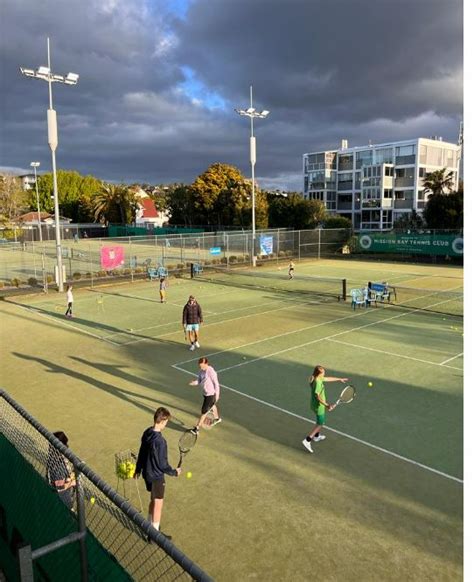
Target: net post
{"type": "Point", "coordinates": [192, 270]}
{"type": "Point", "coordinates": [344, 289]}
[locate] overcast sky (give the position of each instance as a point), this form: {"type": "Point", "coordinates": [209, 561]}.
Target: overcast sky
{"type": "Point", "coordinates": [159, 81]}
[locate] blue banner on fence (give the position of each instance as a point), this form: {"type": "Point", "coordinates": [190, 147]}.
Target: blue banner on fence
{"type": "Point", "coordinates": [215, 250]}
{"type": "Point", "coordinates": [266, 245]}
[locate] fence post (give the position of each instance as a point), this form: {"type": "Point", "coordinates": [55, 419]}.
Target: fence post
{"type": "Point", "coordinates": [319, 242]}
{"type": "Point", "coordinates": [25, 560]}
{"type": "Point", "coordinates": [92, 266]}
{"type": "Point", "coordinates": [130, 261]}
{"type": "Point", "coordinates": [81, 514]}
{"type": "Point", "coordinates": [299, 245]}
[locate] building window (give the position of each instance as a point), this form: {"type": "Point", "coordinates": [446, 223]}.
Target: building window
{"type": "Point", "coordinates": [345, 161]}
{"type": "Point", "coordinates": [407, 150]}
{"type": "Point", "coordinates": [363, 158]}
{"type": "Point", "coordinates": [389, 170]}
{"type": "Point", "coordinates": [399, 195]}
{"type": "Point", "coordinates": [421, 172]}
{"type": "Point", "coordinates": [384, 156]}
{"type": "Point", "coordinates": [387, 193]}
{"type": "Point", "coordinates": [421, 195]}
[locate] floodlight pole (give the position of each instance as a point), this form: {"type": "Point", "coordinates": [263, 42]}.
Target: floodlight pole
{"type": "Point", "coordinates": [45, 74]}
{"type": "Point", "coordinates": [253, 161]}
{"type": "Point", "coordinates": [251, 112]}
{"type": "Point", "coordinates": [35, 165]}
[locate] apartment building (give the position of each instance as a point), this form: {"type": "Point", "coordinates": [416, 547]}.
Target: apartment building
{"type": "Point", "coordinates": [374, 185]}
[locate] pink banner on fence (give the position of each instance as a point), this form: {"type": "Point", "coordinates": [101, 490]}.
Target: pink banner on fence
{"type": "Point", "coordinates": [111, 257]}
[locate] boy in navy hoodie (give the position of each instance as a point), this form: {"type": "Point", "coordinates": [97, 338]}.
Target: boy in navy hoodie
{"type": "Point", "coordinates": [153, 464]}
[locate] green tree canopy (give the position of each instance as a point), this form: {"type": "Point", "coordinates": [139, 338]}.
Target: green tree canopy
{"type": "Point", "coordinates": [411, 220]}
{"type": "Point", "coordinates": [75, 193]}
{"type": "Point", "coordinates": [336, 221]}
{"type": "Point", "coordinates": [444, 211]}
{"type": "Point", "coordinates": [438, 182]}
{"type": "Point", "coordinates": [114, 204]}
{"type": "Point", "coordinates": [294, 211]}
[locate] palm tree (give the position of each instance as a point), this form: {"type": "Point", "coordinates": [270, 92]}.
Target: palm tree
{"type": "Point", "coordinates": [114, 203]}
{"type": "Point", "coordinates": [438, 182]}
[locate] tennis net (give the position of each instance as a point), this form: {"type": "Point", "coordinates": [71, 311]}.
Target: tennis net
{"type": "Point", "coordinates": [436, 301]}
{"type": "Point", "coordinates": [275, 281]}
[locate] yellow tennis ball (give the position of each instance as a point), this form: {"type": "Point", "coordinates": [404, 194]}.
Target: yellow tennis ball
{"type": "Point", "coordinates": [189, 475]}
{"type": "Point", "coordinates": [369, 384]}
{"type": "Point", "coordinates": [92, 500]}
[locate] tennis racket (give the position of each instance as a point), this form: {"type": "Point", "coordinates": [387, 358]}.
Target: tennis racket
{"type": "Point", "coordinates": [347, 395]}
{"type": "Point", "coordinates": [186, 443]}
{"type": "Point", "coordinates": [209, 420]}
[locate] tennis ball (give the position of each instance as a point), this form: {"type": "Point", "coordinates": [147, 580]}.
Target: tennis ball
{"type": "Point", "coordinates": [189, 475]}
{"type": "Point", "coordinates": [369, 384]}
{"type": "Point", "coordinates": [92, 500]}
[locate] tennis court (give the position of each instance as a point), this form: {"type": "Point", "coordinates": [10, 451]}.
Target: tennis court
{"type": "Point", "coordinates": [381, 497]}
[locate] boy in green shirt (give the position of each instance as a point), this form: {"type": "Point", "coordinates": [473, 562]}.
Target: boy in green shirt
{"type": "Point", "coordinates": [319, 404]}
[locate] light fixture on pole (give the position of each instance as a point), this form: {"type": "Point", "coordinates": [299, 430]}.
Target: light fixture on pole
{"type": "Point", "coordinates": [45, 74]}
{"type": "Point", "coordinates": [35, 165]}
{"type": "Point", "coordinates": [253, 113]}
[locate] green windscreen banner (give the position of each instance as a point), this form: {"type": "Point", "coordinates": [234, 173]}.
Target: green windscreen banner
{"type": "Point", "coordinates": [451, 245]}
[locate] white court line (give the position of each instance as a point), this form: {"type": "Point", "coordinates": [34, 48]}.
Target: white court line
{"type": "Point", "coordinates": [66, 324]}
{"type": "Point", "coordinates": [213, 314]}
{"type": "Point", "coordinates": [322, 339]}
{"type": "Point", "coordinates": [396, 355]}
{"type": "Point", "coordinates": [353, 438]}
{"type": "Point", "coordinates": [314, 326]}
{"type": "Point", "coordinates": [226, 321]}
{"type": "Point", "coordinates": [306, 329]}
{"type": "Point", "coordinates": [453, 358]}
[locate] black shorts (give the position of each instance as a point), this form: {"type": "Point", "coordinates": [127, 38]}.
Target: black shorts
{"type": "Point", "coordinates": [156, 488]}
{"type": "Point", "coordinates": [207, 404]}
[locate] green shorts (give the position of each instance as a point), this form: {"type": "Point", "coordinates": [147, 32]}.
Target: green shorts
{"type": "Point", "coordinates": [321, 419]}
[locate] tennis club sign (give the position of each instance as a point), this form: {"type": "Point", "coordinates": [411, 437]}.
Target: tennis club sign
{"type": "Point", "coordinates": [420, 244]}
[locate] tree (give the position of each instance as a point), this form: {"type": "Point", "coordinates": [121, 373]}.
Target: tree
{"type": "Point", "coordinates": [438, 182]}
{"type": "Point", "coordinates": [114, 204]}
{"type": "Point", "coordinates": [444, 211]}
{"type": "Point", "coordinates": [294, 211]}
{"type": "Point", "coordinates": [180, 203]}
{"type": "Point", "coordinates": [223, 196]}
{"type": "Point", "coordinates": [336, 221]}
{"type": "Point", "coordinates": [409, 220]}
{"type": "Point", "coordinates": [13, 199]}
{"type": "Point", "coordinates": [75, 193]}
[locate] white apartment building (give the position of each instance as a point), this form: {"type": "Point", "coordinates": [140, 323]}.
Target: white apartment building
{"type": "Point", "coordinates": [374, 185]}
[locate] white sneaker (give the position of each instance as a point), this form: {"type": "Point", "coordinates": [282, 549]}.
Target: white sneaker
{"type": "Point", "coordinates": [197, 344]}
{"type": "Point", "coordinates": [192, 348]}
{"type": "Point", "coordinates": [307, 445]}
{"type": "Point", "coordinates": [318, 438]}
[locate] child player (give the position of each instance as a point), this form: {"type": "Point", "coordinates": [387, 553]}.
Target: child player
{"type": "Point", "coordinates": [291, 269]}
{"type": "Point", "coordinates": [162, 290]}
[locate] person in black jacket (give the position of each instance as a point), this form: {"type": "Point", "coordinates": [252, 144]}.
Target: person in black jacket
{"type": "Point", "coordinates": [153, 464]}
{"type": "Point", "coordinates": [192, 318]}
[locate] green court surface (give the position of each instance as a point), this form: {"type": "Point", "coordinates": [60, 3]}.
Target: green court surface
{"type": "Point", "coordinates": [380, 498]}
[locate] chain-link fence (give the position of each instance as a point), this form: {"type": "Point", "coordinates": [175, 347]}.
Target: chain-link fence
{"type": "Point", "coordinates": [61, 521]}
{"type": "Point", "coordinates": [93, 261]}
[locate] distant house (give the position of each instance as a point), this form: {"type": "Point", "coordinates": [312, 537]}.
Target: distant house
{"type": "Point", "coordinates": [27, 181]}
{"type": "Point", "coordinates": [31, 219]}
{"type": "Point", "coordinates": [147, 215]}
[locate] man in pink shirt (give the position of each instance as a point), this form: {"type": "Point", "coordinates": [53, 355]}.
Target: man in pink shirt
{"type": "Point", "coordinates": [207, 379]}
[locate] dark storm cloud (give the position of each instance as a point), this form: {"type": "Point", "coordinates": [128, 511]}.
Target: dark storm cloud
{"type": "Point", "coordinates": [356, 69]}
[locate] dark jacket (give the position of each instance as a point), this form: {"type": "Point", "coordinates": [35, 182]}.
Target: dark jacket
{"type": "Point", "coordinates": [152, 460]}
{"type": "Point", "coordinates": [192, 313]}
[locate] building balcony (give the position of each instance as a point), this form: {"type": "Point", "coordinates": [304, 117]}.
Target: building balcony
{"type": "Point", "coordinates": [405, 160]}
{"type": "Point", "coordinates": [372, 203]}
{"type": "Point", "coordinates": [406, 182]}
{"type": "Point", "coordinates": [344, 205]}
{"type": "Point", "coordinates": [344, 186]}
